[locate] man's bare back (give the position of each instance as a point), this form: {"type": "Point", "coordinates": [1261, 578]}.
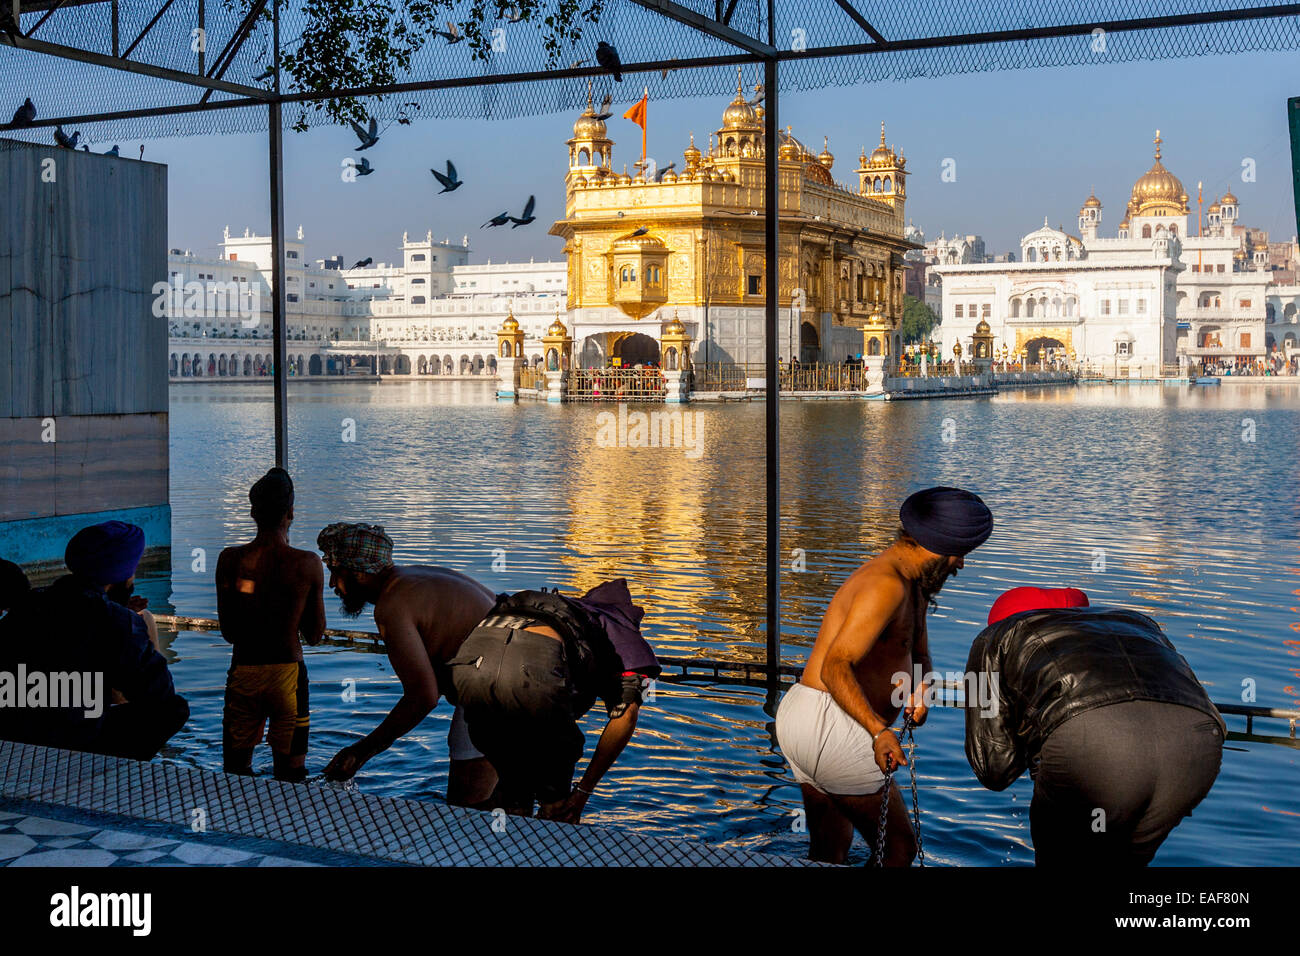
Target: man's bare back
{"type": "Point", "coordinates": [442, 605]}
{"type": "Point", "coordinates": [875, 588]}
{"type": "Point", "coordinates": [268, 594]}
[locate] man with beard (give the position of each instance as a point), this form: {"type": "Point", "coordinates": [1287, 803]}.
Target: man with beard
{"type": "Point", "coordinates": [424, 614]}
{"type": "Point", "coordinates": [833, 725]}
{"type": "Point", "coordinates": [74, 637]}
{"type": "Point", "coordinates": [270, 598]}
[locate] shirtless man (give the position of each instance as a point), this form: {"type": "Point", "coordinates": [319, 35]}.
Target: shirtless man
{"type": "Point", "coordinates": [269, 595]}
{"type": "Point", "coordinates": [833, 726]}
{"type": "Point", "coordinates": [424, 615]}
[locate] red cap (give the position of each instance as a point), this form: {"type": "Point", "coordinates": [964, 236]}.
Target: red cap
{"type": "Point", "coordinates": [1035, 599]}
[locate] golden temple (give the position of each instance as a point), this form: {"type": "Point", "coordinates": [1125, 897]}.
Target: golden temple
{"type": "Point", "coordinates": [690, 241]}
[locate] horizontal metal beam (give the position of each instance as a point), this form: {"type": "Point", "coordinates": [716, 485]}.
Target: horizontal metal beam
{"type": "Point", "coordinates": [177, 110]}
{"type": "Point", "coordinates": [132, 66]}
{"type": "Point", "coordinates": [1045, 33]}
{"type": "Point", "coordinates": [719, 31]}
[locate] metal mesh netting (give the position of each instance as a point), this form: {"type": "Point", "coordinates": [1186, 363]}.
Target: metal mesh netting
{"type": "Point", "coordinates": [65, 88]}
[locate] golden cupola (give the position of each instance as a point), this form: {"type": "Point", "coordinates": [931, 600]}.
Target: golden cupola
{"type": "Point", "coordinates": [590, 150]}
{"type": "Point", "coordinates": [739, 114]}
{"type": "Point", "coordinates": [1159, 192]}
{"type": "Point", "coordinates": [826, 158]}
{"type": "Point", "coordinates": [692, 156]}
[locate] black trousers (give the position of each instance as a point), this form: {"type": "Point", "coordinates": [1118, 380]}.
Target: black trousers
{"type": "Point", "coordinates": [139, 730]}
{"type": "Point", "coordinates": [1113, 782]}
{"type": "Point", "coordinates": [519, 702]}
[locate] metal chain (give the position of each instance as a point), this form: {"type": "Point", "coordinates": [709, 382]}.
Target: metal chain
{"type": "Point", "coordinates": [878, 858]}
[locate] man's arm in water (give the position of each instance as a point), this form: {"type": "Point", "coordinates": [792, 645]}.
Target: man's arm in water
{"type": "Point", "coordinates": [311, 627]}
{"type": "Point", "coordinates": [618, 731]}
{"type": "Point", "coordinates": [868, 616]}
{"type": "Point", "coordinates": [410, 662]}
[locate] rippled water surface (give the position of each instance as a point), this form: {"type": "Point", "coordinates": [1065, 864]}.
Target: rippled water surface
{"type": "Point", "coordinates": [1146, 496]}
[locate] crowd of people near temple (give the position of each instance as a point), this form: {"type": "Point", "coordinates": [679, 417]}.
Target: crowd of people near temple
{"type": "Point", "coordinates": [1275, 364]}
{"type": "Point", "coordinates": [1094, 702]}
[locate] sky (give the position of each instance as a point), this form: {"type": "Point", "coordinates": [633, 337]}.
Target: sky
{"type": "Point", "coordinates": [1024, 145]}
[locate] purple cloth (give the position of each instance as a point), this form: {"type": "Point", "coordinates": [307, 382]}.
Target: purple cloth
{"type": "Point", "coordinates": [105, 553]}
{"type": "Point", "coordinates": [611, 604]}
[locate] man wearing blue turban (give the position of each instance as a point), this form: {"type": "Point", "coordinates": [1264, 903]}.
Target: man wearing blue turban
{"type": "Point", "coordinates": [834, 724]}
{"type": "Point", "coordinates": [66, 648]}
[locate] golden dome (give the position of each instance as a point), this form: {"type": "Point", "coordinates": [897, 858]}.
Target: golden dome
{"type": "Point", "coordinates": [739, 114]}
{"type": "Point", "coordinates": [511, 324]}
{"type": "Point", "coordinates": [983, 328]}
{"type": "Point", "coordinates": [691, 154]}
{"type": "Point", "coordinates": [789, 150]}
{"type": "Point", "coordinates": [882, 153]}
{"type": "Point", "coordinates": [674, 327]}
{"type": "Point", "coordinates": [1159, 190]}
{"type": "Point", "coordinates": [826, 158]}
{"type": "Point", "coordinates": [1229, 198]}
{"type": "Point", "coordinates": [1214, 206]}
{"type": "Point", "coordinates": [557, 329]}
{"type": "Point", "coordinates": [587, 126]}
{"type": "Point", "coordinates": [1092, 202]}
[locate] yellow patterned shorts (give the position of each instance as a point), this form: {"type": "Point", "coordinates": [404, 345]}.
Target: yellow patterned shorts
{"type": "Point", "coordinates": [256, 693]}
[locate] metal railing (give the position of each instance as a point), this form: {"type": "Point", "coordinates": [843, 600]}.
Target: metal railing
{"type": "Point", "coordinates": [760, 674]}
{"type": "Point", "coordinates": [616, 385]}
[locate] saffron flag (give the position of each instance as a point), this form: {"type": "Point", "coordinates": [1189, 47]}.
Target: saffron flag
{"type": "Point", "coordinates": [637, 115]}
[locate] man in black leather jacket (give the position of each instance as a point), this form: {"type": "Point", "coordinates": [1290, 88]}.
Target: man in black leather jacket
{"type": "Point", "coordinates": [1120, 738]}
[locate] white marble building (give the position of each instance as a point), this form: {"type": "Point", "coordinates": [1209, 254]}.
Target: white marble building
{"type": "Point", "coordinates": [431, 312]}
{"type": "Point", "coordinates": [1157, 294]}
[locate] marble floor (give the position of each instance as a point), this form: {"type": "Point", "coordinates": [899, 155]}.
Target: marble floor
{"type": "Point", "coordinates": [54, 837]}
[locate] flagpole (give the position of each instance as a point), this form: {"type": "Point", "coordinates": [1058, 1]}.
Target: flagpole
{"type": "Point", "coordinates": [646, 122]}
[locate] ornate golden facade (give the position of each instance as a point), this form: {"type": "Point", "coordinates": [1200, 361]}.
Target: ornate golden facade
{"type": "Point", "coordinates": [691, 237]}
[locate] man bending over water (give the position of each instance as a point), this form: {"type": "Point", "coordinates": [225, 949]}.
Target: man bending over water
{"type": "Point", "coordinates": [424, 614]}
{"type": "Point", "coordinates": [833, 726]}
{"type": "Point", "coordinates": [268, 594]}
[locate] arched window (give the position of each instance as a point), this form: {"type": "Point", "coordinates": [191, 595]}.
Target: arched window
{"type": "Point", "coordinates": [889, 184]}
{"type": "Point", "coordinates": [1146, 231]}
{"type": "Point", "coordinates": [1029, 308]}
{"type": "Point", "coordinates": [1015, 308]}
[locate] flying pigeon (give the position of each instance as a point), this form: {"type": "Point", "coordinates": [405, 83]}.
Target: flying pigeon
{"type": "Point", "coordinates": [576, 63]}
{"type": "Point", "coordinates": [368, 137]}
{"type": "Point", "coordinates": [450, 181]}
{"type": "Point", "coordinates": [659, 176]}
{"type": "Point", "coordinates": [452, 33]}
{"type": "Point", "coordinates": [24, 115]}
{"type": "Point", "coordinates": [500, 220]}
{"type": "Point", "coordinates": [364, 168]}
{"type": "Point", "coordinates": [515, 14]}
{"type": "Point", "coordinates": [64, 140]}
{"type": "Point", "coordinates": [363, 263]}
{"type": "Point", "coordinates": [527, 216]}
{"type": "Point", "coordinates": [607, 57]}
{"type": "Point", "coordinates": [264, 75]}
{"type": "Point", "coordinates": [641, 231]}
{"type": "Point", "coordinates": [605, 107]}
